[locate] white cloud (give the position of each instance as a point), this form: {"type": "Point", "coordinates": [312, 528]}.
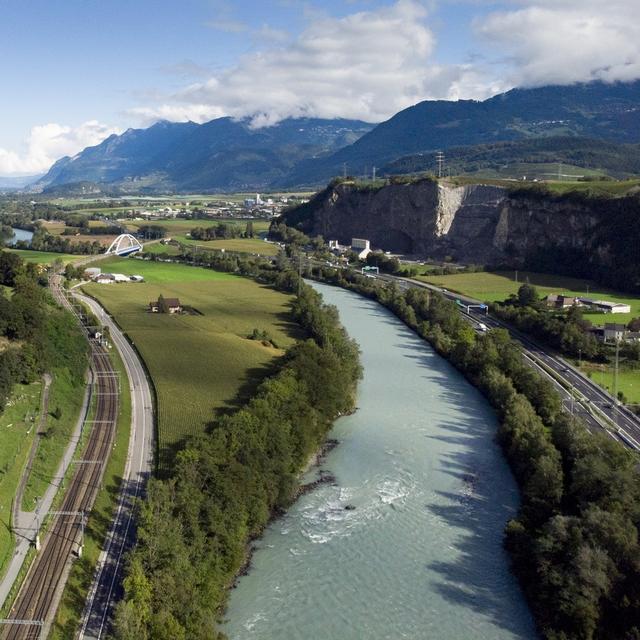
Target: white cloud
{"type": "Point", "coordinates": [367, 65]}
{"type": "Point", "coordinates": [565, 41]}
{"type": "Point", "coordinates": [46, 143]}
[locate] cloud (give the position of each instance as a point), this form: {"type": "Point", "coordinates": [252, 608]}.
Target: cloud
{"type": "Point", "coordinates": [367, 65]}
{"type": "Point", "coordinates": [565, 41]}
{"type": "Point", "coordinates": [46, 143]}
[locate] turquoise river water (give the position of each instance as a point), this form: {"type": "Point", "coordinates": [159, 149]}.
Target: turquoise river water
{"type": "Point", "coordinates": [420, 556]}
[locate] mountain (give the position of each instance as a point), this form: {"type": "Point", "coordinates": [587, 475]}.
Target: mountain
{"type": "Point", "coordinates": [17, 182]}
{"type": "Point", "coordinates": [530, 156]}
{"type": "Point", "coordinates": [221, 154]}
{"type": "Point", "coordinates": [595, 110]}
{"type": "Point", "coordinates": [224, 154]}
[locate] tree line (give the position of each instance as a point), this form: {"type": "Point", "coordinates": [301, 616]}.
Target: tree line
{"type": "Point", "coordinates": [574, 543]}
{"type": "Point", "coordinates": [195, 525]}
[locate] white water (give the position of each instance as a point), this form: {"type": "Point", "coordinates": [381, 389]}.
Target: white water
{"type": "Point", "coordinates": [421, 554]}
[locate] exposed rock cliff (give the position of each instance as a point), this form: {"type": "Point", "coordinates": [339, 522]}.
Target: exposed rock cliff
{"type": "Point", "coordinates": [476, 223]}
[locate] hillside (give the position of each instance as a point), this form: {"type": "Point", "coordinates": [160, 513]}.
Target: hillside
{"type": "Point", "coordinates": [539, 157]}
{"type": "Point", "coordinates": [596, 110]}
{"type": "Point", "coordinates": [219, 155]}
{"type": "Point", "coordinates": [594, 126]}
{"type": "Point", "coordinates": [575, 233]}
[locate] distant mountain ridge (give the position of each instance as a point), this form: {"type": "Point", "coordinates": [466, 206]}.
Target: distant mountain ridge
{"type": "Point", "coordinates": [220, 154]}
{"type": "Point", "coordinates": [226, 154]}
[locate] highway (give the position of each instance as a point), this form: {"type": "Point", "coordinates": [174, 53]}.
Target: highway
{"type": "Point", "coordinates": [106, 587]}
{"type": "Point", "coordinates": [589, 401]}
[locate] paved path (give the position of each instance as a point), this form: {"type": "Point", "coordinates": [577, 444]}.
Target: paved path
{"type": "Point", "coordinates": [25, 529]}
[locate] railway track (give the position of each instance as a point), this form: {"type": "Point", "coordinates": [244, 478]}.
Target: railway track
{"type": "Point", "coordinates": [38, 598]}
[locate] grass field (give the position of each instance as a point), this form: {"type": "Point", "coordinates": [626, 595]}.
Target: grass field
{"type": "Point", "coordinates": [199, 363]}
{"type": "Point", "coordinates": [597, 187]}
{"type": "Point", "coordinates": [44, 257]}
{"type": "Point", "coordinates": [490, 287]}
{"type": "Point", "coordinates": [239, 245]}
{"type": "Point", "coordinates": [17, 428]}
{"type": "Point", "coordinates": [68, 398]}
{"type": "Point", "coordinates": [628, 380]}
{"type": "Point", "coordinates": [180, 226]}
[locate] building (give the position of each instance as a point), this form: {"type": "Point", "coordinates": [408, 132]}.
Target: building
{"type": "Point", "coordinates": [606, 306]}
{"type": "Point", "coordinates": [559, 301]}
{"type": "Point", "coordinates": [614, 332]}
{"type": "Point", "coordinates": [361, 246]}
{"type": "Point", "coordinates": [92, 272]}
{"type": "Point", "coordinates": [105, 278]}
{"type": "Point", "coordinates": [173, 305]}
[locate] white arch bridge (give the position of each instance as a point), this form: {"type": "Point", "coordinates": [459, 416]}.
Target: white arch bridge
{"type": "Point", "coordinates": [123, 245]}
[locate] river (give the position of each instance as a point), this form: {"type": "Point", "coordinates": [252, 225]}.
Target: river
{"type": "Point", "coordinates": [20, 234]}
{"type": "Point", "coordinates": [421, 555]}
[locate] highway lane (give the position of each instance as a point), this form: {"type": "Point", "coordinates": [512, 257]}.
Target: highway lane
{"type": "Point", "coordinates": [106, 588]}
{"type": "Point", "coordinates": [598, 408]}
{"type": "Point", "coordinates": [579, 394]}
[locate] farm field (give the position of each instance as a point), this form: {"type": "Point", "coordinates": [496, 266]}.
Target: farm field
{"type": "Point", "coordinates": [202, 363]}
{"type": "Point", "coordinates": [17, 429]}
{"type": "Point", "coordinates": [182, 226]}
{"type": "Point", "coordinates": [44, 257]}
{"type": "Point", "coordinates": [494, 286]}
{"type": "Point", "coordinates": [239, 245]}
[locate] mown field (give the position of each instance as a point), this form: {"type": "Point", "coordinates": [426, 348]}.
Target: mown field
{"type": "Point", "coordinates": [490, 287]}
{"type": "Point", "coordinates": [18, 423]}
{"type": "Point", "coordinates": [239, 245]}
{"type": "Point", "coordinates": [44, 257]}
{"type": "Point", "coordinates": [200, 364]}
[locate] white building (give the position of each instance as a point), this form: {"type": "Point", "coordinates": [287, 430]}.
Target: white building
{"type": "Point", "coordinates": [606, 306]}
{"type": "Point", "coordinates": [361, 246]}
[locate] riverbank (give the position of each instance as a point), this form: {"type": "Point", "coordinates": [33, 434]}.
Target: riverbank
{"type": "Point", "coordinates": [402, 542]}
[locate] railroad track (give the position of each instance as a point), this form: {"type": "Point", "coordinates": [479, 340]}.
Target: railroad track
{"type": "Point", "coordinates": [38, 598]}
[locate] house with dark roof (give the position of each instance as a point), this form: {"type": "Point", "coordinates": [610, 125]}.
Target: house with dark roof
{"type": "Point", "coordinates": [172, 305]}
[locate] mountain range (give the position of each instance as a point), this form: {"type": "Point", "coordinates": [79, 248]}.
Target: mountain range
{"type": "Point", "coordinates": [226, 154]}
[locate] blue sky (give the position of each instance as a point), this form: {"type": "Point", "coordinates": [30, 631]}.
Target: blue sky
{"type": "Point", "coordinates": [74, 71]}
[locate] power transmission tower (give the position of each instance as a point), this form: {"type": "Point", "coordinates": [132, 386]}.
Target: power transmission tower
{"type": "Point", "coordinates": [440, 161]}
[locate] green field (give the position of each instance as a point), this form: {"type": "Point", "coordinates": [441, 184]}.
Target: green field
{"type": "Point", "coordinates": [597, 187]}
{"type": "Point", "coordinates": [540, 170]}
{"type": "Point", "coordinates": [68, 397]}
{"type": "Point", "coordinates": [45, 257]}
{"type": "Point", "coordinates": [495, 286]}
{"type": "Point", "coordinates": [239, 245]}
{"type": "Point", "coordinates": [17, 429]}
{"type": "Point", "coordinates": [182, 226]}
{"type": "Point", "coordinates": [628, 380]}
{"type": "Point", "coordinates": [199, 363]}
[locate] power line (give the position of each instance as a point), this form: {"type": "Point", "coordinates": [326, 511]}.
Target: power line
{"type": "Point", "coordinates": [440, 161]}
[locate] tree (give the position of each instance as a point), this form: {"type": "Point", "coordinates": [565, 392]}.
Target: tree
{"type": "Point", "coordinates": [248, 232]}
{"type": "Point", "coordinates": [163, 307]}
{"type": "Point", "coordinates": [528, 295]}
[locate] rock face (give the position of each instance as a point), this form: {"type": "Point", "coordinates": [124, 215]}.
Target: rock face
{"type": "Point", "coordinates": [474, 223]}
